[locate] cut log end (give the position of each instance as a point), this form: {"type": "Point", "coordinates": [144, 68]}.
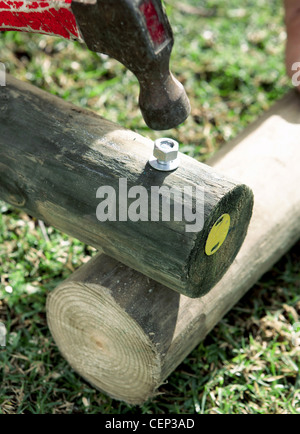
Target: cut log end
{"type": "Point", "coordinates": [220, 241]}
{"type": "Point", "coordinates": [102, 343]}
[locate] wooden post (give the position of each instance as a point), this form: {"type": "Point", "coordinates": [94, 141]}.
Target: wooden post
{"type": "Point", "coordinates": [125, 333]}
{"type": "Point", "coordinates": [58, 163]}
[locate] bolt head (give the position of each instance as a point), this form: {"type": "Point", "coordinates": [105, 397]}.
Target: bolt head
{"type": "Point", "coordinates": [165, 150]}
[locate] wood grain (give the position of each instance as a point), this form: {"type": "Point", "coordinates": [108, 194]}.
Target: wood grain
{"type": "Point", "coordinates": [53, 159]}
{"type": "Point", "coordinates": [125, 333]}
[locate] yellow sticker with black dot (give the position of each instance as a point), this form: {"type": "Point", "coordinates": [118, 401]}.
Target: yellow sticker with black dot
{"type": "Point", "coordinates": [217, 234]}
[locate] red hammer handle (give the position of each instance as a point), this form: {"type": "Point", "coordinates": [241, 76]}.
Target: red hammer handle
{"type": "Point", "coordinates": [50, 17]}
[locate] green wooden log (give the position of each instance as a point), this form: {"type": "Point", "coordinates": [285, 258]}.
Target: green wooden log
{"type": "Point", "coordinates": [54, 157]}
{"type": "Point", "coordinates": [125, 333]}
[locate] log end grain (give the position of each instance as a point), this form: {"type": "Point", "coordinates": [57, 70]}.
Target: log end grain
{"type": "Point", "coordinates": [206, 268]}
{"type": "Point", "coordinates": [102, 343]}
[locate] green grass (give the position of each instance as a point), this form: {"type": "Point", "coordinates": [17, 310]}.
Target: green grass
{"type": "Point", "coordinates": [231, 64]}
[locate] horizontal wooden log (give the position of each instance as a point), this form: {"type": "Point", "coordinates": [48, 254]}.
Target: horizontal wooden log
{"type": "Point", "coordinates": [125, 333]}
{"type": "Point", "coordinates": [54, 157]}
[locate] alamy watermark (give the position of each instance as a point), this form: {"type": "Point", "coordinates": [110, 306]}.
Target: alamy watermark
{"type": "Point", "coordinates": [162, 203]}
{"type": "Point", "coordinates": [296, 76]}
{"type": "Point", "coordinates": [3, 333]}
{"type": "Point", "coordinates": [296, 334]}
{"type": "Point", "coordinates": [2, 74]}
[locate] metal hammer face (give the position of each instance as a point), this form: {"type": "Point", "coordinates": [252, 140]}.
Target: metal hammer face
{"type": "Point", "coordinates": [138, 34]}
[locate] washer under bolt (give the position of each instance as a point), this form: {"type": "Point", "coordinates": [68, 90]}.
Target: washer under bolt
{"type": "Point", "coordinates": [165, 155]}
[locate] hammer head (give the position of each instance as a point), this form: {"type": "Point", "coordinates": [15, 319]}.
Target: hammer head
{"type": "Point", "coordinates": [138, 34]}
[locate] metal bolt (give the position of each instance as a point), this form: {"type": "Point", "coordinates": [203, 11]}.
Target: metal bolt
{"type": "Point", "coordinates": [165, 155]}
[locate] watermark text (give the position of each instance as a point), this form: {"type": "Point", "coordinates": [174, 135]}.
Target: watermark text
{"type": "Point", "coordinates": [296, 76]}
{"type": "Point", "coordinates": [2, 74]}
{"type": "Point", "coordinates": [296, 334]}
{"type": "Point", "coordinates": [3, 333]}
{"type": "Point", "coordinates": [161, 203]}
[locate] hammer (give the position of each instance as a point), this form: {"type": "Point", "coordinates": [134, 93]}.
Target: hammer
{"type": "Point", "coordinates": [135, 32]}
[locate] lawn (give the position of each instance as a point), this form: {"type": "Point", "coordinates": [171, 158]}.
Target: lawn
{"type": "Point", "coordinates": [230, 58]}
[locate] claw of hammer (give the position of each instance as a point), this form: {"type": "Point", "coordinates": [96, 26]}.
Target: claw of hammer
{"type": "Point", "coordinates": [138, 34]}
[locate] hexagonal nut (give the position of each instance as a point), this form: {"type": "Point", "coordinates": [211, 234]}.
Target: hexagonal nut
{"type": "Point", "coordinates": [165, 149]}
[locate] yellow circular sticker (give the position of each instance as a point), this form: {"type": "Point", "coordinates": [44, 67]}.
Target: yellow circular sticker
{"type": "Point", "coordinates": [217, 235]}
